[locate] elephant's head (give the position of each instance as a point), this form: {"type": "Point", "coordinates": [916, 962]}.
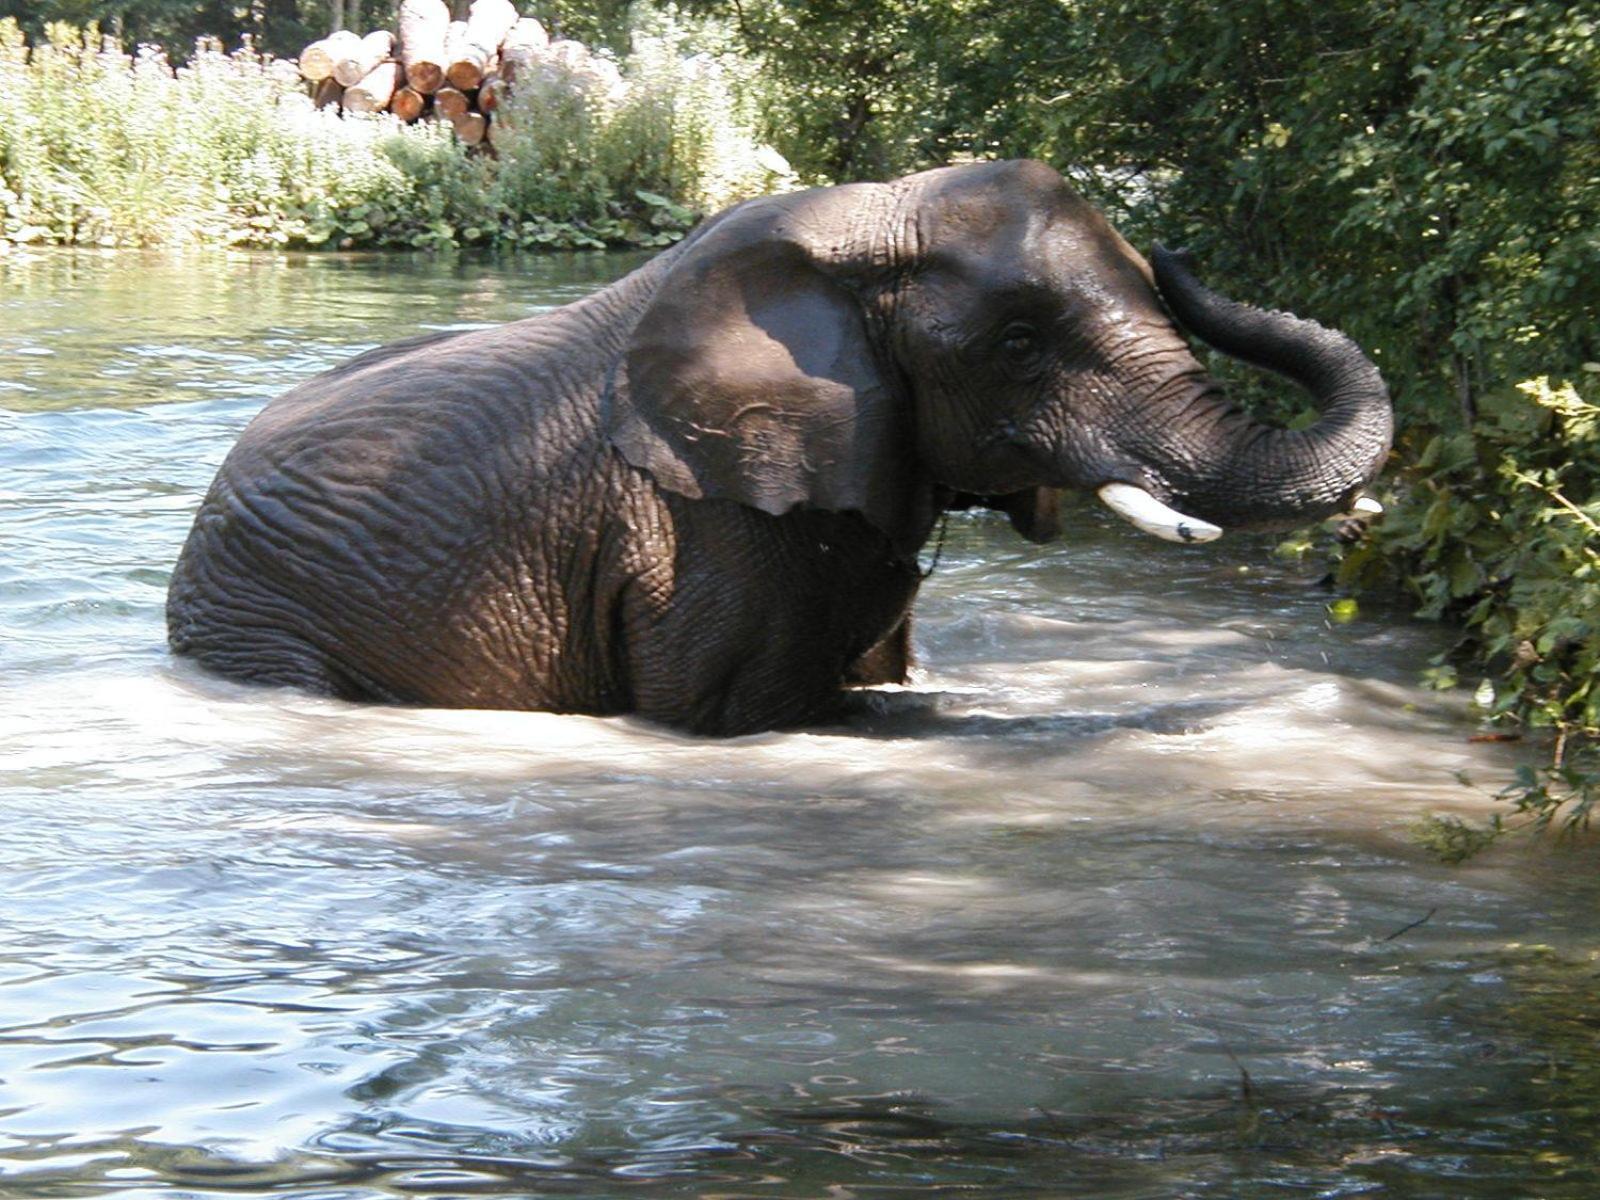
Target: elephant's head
{"type": "Point", "coordinates": [975, 331]}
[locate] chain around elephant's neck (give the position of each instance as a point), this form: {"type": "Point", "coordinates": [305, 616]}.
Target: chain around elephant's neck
{"type": "Point", "coordinates": [938, 548]}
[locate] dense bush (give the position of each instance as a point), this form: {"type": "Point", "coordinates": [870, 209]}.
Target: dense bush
{"type": "Point", "coordinates": [102, 148]}
{"type": "Point", "coordinates": [1500, 531]}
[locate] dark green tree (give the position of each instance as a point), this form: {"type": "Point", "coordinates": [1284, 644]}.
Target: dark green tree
{"type": "Point", "coordinates": [855, 87]}
{"type": "Point", "coordinates": [280, 27]}
{"type": "Point", "coordinates": [1426, 174]}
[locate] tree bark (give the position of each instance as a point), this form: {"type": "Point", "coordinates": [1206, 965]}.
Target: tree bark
{"type": "Point", "coordinates": [423, 26]}
{"type": "Point", "coordinates": [486, 27]}
{"type": "Point", "coordinates": [464, 62]}
{"type": "Point", "coordinates": [490, 22]}
{"type": "Point", "coordinates": [375, 91]}
{"type": "Point", "coordinates": [356, 64]}
{"type": "Point", "coordinates": [521, 48]}
{"type": "Point", "coordinates": [318, 59]}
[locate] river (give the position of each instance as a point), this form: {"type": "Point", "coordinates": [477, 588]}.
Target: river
{"type": "Point", "coordinates": [1120, 900]}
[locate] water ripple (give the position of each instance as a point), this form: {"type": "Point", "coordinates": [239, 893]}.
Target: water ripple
{"type": "Point", "coordinates": [1103, 906]}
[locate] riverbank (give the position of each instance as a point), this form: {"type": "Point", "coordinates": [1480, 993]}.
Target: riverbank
{"type": "Point", "coordinates": [101, 148]}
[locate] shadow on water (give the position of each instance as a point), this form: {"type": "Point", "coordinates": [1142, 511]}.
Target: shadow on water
{"type": "Point", "coordinates": [940, 715]}
{"type": "Point", "coordinates": [1117, 901]}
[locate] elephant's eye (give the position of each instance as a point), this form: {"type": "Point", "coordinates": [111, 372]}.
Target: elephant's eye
{"type": "Point", "coordinates": [1019, 340]}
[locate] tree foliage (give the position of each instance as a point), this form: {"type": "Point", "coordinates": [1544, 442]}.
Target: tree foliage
{"type": "Point", "coordinates": [1425, 174]}
{"type": "Point", "coordinates": [854, 89]}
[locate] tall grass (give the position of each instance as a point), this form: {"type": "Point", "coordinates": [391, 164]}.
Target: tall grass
{"type": "Point", "coordinates": [102, 148]}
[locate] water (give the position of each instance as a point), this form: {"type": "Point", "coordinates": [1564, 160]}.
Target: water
{"type": "Point", "coordinates": [1112, 904]}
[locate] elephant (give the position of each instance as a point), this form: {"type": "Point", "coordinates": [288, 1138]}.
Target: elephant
{"type": "Point", "coordinates": [699, 494]}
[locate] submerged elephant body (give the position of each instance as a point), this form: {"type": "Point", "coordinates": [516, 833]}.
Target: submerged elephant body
{"type": "Point", "coordinates": [698, 495]}
{"type": "Point", "coordinates": [525, 564]}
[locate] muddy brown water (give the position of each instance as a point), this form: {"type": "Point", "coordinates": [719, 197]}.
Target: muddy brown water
{"type": "Point", "coordinates": [1103, 906]}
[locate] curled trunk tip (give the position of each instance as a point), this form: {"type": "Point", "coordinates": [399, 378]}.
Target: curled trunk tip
{"type": "Point", "coordinates": [1274, 478]}
{"type": "Point", "coordinates": [1312, 355]}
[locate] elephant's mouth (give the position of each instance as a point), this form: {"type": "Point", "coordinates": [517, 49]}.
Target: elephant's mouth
{"type": "Point", "coordinates": [1132, 502]}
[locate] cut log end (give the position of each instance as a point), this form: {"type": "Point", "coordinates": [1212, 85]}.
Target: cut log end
{"type": "Point", "coordinates": [328, 93]}
{"type": "Point", "coordinates": [426, 77]}
{"type": "Point", "coordinates": [491, 93]}
{"type": "Point", "coordinates": [408, 104]}
{"type": "Point", "coordinates": [318, 59]}
{"type": "Point", "coordinates": [354, 65]}
{"type": "Point", "coordinates": [471, 128]}
{"type": "Point", "coordinates": [451, 102]}
{"type": "Point", "coordinates": [466, 74]}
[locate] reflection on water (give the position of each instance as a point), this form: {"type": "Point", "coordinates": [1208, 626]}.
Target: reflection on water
{"type": "Point", "coordinates": [1102, 907]}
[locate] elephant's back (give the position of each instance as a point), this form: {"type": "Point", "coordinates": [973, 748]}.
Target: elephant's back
{"type": "Point", "coordinates": [438, 399]}
{"type": "Point", "coordinates": [376, 510]}
{"type": "Point", "coordinates": [401, 456]}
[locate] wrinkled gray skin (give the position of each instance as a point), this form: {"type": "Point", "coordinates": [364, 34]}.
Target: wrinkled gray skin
{"type": "Point", "coordinates": [698, 495]}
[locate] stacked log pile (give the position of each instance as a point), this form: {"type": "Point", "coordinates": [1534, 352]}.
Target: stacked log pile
{"type": "Point", "coordinates": [436, 68]}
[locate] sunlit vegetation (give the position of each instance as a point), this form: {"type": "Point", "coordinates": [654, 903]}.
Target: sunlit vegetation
{"type": "Point", "coordinates": [105, 148]}
{"type": "Point", "coordinates": [1501, 531]}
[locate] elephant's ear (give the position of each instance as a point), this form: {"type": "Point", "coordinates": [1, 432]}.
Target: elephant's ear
{"type": "Point", "coordinates": [751, 377]}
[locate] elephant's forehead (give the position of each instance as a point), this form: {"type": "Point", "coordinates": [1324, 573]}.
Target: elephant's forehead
{"type": "Point", "coordinates": [1018, 221]}
{"type": "Point", "coordinates": [1035, 253]}
{"type": "Point", "coordinates": [989, 215]}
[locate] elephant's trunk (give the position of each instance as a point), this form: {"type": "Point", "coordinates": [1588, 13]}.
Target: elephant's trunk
{"type": "Point", "coordinates": [1260, 477]}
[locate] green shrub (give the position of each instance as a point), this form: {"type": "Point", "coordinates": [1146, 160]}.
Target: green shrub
{"type": "Point", "coordinates": [102, 148]}
{"type": "Point", "coordinates": [627, 154]}
{"type": "Point", "coordinates": [1499, 528]}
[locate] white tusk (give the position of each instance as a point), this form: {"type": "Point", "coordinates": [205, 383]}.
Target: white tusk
{"type": "Point", "coordinates": [1139, 508]}
{"type": "Point", "coordinates": [1363, 507]}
